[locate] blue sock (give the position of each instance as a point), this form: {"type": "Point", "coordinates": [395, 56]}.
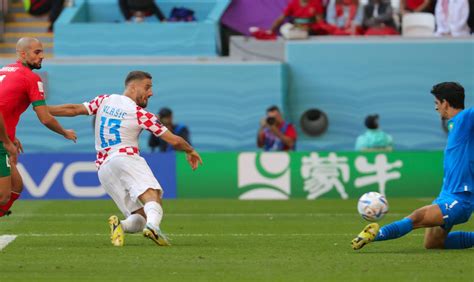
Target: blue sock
{"type": "Point", "coordinates": [459, 240]}
{"type": "Point", "coordinates": [395, 230]}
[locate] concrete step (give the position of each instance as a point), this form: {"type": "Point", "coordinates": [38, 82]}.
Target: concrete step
{"type": "Point", "coordinates": [13, 45]}
{"type": "Point", "coordinates": [25, 17]}
{"type": "Point", "coordinates": [16, 7]}
{"type": "Point", "coordinates": [7, 48]}
{"type": "Point", "coordinates": [26, 27]}
{"type": "Point", "coordinates": [13, 55]}
{"type": "Point", "coordinates": [12, 37]}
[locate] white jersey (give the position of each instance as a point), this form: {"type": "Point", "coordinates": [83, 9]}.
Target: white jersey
{"type": "Point", "coordinates": [451, 17]}
{"type": "Point", "coordinates": [119, 122]}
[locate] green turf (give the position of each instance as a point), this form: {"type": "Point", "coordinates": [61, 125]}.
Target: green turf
{"type": "Point", "coordinates": [221, 240]}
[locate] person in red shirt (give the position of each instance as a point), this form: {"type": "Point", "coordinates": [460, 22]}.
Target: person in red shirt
{"type": "Point", "coordinates": [20, 87]}
{"type": "Point", "coordinates": [302, 13]}
{"type": "Point", "coordinates": [275, 134]}
{"type": "Point", "coordinates": [415, 6]}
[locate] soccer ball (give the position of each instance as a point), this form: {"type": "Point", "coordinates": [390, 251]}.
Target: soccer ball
{"type": "Point", "coordinates": [372, 206]}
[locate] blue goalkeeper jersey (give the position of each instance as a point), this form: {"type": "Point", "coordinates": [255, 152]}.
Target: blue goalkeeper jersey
{"type": "Point", "coordinates": [459, 157]}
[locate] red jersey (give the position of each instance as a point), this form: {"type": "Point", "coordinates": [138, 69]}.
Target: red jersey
{"type": "Point", "coordinates": [304, 14]}
{"type": "Point", "coordinates": [19, 87]}
{"type": "Point", "coordinates": [413, 4]}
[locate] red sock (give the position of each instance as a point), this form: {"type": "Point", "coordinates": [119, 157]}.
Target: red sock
{"type": "Point", "coordinates": [5, 209]}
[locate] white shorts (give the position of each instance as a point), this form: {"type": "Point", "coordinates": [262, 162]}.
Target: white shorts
{"type": "Point", "coordinates": [125, 178]}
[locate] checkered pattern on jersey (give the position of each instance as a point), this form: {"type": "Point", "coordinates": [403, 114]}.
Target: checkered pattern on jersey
{"type": "Point", "coordinates": [129, 150]}
{"type": "Point", "coordinates": [150, 122]}
{"type": "Point", "coordinates": [95, 103]}
{"type": "Point", "coordinates": [101, 156]}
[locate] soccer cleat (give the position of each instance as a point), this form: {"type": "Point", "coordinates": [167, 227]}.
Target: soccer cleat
{"type": "Point", "coordinates": [366, 236]}
{"type": "Point", "coordinates": [116, 231]}
{"type": "Point", "coordinates": [156, 236]}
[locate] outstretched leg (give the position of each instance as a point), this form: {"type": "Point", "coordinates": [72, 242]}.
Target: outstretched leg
{"type": "Point", "coordinates": [427, 216]}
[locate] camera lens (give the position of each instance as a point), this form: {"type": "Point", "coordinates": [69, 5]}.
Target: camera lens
{"type": "Point", "coordinates": [271, 120]}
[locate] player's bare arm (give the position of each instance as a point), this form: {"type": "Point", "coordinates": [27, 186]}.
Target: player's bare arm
{"type": "Point", "coordinates": [7, 143]}
{"type": "Point", "coordinates": [180, 144]}
{"type": "Point", "coordinates": [68, 110]}
{"type": "Point", "coordinates": [50, 122]}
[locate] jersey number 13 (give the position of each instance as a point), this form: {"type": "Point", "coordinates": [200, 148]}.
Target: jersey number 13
{"type": "Point", "coordinates": [113, 126]}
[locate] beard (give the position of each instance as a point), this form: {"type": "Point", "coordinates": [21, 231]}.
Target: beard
{"type": "Point", "coordinates": [36, 66]}
{"type": "Point", "coordinates": [143, 104]}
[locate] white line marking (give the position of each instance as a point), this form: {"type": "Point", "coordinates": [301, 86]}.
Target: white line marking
{"type": "Point", "coordinates": [5, 240]}
{"type": "Point", "coordinates": [206, 214]}
{"type": "Point", "coordinates": [199, 234]}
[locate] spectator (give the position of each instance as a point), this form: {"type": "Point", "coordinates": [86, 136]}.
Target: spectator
{"type": "Point", "coordinates": [305, 14]}
{"type": "Point", "coordinates": [373, 139]}
{"type": "Point", "coordinates": [451, 18]}
{"type": "Point", "coordinates": [470, 20]}
{"type": "Point", "coordinates": [42, 7]}
{"type": "Point", "coordinates": [275, 134]}
{"type": "Point", "coordinates": [140, 9]}
{"type": "Point", "coordinates": [416, 6]}
{"type": "Point", "coordinates": [378, 18]}
{"type": "Point", "coordinates": [166, 117]}
{"type": "Point", "coordinates": [344, 17]}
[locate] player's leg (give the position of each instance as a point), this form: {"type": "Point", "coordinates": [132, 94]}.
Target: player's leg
{"type": "Point", "coordinates": [454, 211]}
{"type": "Point", "coordinates": [5, 188]}
{"type": "Point", "coordinates": [115, 189]}
{"type": "Point", "coordinates": [5, 184]}
{"type": "Point", "coordinates": [427, 216]}
{"type": "Point", "coordinates": [135, 222]}
{"type": "Point", "coordinates": [154, 214]}
{"type": "Point", "coordinates": [458, 240]}
{"type": "Point", "coordinates": [435, 237]}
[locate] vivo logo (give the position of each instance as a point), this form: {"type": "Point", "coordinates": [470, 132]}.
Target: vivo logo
{"type": "Point", "coordinates": [66, 172]}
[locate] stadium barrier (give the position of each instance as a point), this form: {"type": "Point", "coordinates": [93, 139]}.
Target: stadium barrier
{"type": "Point", "coordinates": [103, 32]}
{"type": "Point", "coordinates": [74, 176]}
{"type": "Point", "coordinates": [248, 175]}
{"type": "Point", "coordinates": [311, 175]}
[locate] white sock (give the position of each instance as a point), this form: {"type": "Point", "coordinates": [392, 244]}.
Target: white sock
{"type": "Point", "coordinates": [134, 223]}
{"type": "Point", "coordinates": [154, 214]}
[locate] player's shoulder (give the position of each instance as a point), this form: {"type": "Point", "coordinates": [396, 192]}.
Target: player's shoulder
{"type": "Point", "coordinates": [466, 115]}
{"type": "Point", "coordinates": [14, 68]}
{"type": "Point", "coordinates": [30, 74]}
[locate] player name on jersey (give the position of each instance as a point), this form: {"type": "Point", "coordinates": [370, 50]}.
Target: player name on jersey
{"type": "Point", "coordinates": [115, 112]}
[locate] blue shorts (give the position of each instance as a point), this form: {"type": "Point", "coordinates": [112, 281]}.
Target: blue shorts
{"type": "Point", "coordinates": [455, 211]}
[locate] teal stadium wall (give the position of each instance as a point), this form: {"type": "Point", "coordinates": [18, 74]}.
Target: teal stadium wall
{"type": "Point", "coordinates": [222, 103]}
{"type": "Point", "coordinates": [349, 78]}
{"type": "Point", "coordinates": [103, 32]}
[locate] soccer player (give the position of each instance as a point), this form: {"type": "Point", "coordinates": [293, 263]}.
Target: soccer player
{"type": "Point", "coordinates": [20, 87]}
{"type": "Point", "coordinates": [122, 172]}
{"type": "Point", "coordinates": [455, 203]}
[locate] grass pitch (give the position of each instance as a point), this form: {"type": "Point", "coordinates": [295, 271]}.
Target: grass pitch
{"type": "Point", "coordinates": [221, 240]}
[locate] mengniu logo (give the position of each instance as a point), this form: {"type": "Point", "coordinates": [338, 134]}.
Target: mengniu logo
{"type": "Point", "coordinates": [264, 176]}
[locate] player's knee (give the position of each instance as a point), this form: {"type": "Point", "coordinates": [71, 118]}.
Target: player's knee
{"type": "Point", "coordinates": [434, 244]}
{"type": "Point", "coordinates": [17, 187]}
{"type": "Point", "coordinates": [4, 198]}
{"type": "Point", "coordinates": [417, 217]}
